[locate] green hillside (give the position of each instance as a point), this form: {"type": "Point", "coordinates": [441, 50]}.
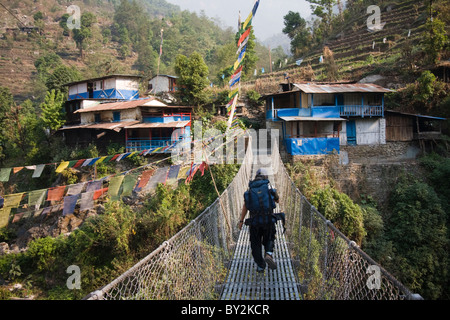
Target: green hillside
{"type": "Point", "coordinates": [125, 37]}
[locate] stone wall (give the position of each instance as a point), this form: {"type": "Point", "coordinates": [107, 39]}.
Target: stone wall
{"type": "Point", "coordinates": [369, 170]}
{"type": "Point", "coordinates": [388, 151]}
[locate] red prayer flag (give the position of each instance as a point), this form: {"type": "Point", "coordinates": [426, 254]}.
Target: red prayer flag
{"type": "Point", "coordinates": [237, 71]}
{"type": "Point", "coordinates": [79, 163]}
{"type": "Point", "coordinates": [115, 157]}
{"type": "Point", "coordinates": [99, 193]}
{"type": "Point", "coordinates": [202, 168]}
{"type": "Point", "coordinates": [146, 175]}
{"type": "Point", "coordinates": [56, 194]}
{"type": "Point", "coordinates": [244, 35]}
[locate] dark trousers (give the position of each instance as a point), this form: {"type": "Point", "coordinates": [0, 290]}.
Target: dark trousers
{"type": "Point", "coordinates": [262, 236]}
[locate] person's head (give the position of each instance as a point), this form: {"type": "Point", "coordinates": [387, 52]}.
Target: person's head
{"type": "Point", "coordinates": [262, 173]}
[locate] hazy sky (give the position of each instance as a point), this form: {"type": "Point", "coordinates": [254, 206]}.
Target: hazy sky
{"type": "Point", "coordinates": [267, 22]}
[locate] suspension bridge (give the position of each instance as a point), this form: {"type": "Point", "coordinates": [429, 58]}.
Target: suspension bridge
{"type": "Point", "coordinates": [210, 259]}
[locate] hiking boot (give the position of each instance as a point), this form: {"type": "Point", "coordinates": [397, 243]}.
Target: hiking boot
{"type": "Point", "coordinates": [270, 262]}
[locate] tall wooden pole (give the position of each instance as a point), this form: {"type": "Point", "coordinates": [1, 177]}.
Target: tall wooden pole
{"type": "Point", "coordinates": [159, 59]}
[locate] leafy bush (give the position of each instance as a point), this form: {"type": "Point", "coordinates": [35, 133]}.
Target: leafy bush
{"type": "Point", "coordinates": [341, 211]}
{"type": "Point", "coordinates": [253, 98]}
{"type": "Point", "coordinates": [438, 173]}
{"type": "Point", "coordinates": [43, 253]}
{"type": "Point", "coordinates": [417, 230]}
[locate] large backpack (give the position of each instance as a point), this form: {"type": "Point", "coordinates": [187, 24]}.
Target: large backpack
{"type": "Point", "coordinates": [259, 199]}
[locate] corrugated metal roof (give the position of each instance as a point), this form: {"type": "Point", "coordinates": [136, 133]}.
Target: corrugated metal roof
{"type": "Point", "coordinates": [341, 88]}
{"type": "Point", "coordinates": [310, 119]}
{"type": "Point", "coordinates": [80, 126]}
{"type": "Point", "coordinates": [164, 75]}
{"type": "Point", "coordinates": [122, 105]}
{"type": "Point", "coordinates": [415, 115]}
{"type": "Point", "coordinates": [174, 124]}
{"type": "Point", "coordinates": [105, 77]}
{"type": "Point", "coordinates": [116, 126]}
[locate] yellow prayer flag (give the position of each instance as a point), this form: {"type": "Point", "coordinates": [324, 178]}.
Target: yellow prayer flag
{"type": "Point", "coordinates": [4, 216]}
{"type": "Point", "coordinates": [247, 21]}
{"type": "Point", "coordinates": [238, 62]}
{"type": "Point", "coordinates": [13, 200]}
{"type": "Point", "coordinates": [233, 92]}
{"type": "Point", "coordinates": [62, 166]}
{"type": "Point", "coordinates": [101, 159]}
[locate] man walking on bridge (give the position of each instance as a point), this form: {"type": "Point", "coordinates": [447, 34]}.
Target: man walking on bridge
{"type": "Point", "coordinates": [260, 200]}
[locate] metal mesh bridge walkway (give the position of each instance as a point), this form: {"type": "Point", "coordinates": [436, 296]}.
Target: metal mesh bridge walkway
{"type": "Point", "coordinates": [210, 258]}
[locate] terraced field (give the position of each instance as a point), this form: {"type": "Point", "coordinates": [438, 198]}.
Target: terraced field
{"type": "Point", "coordinates": [357, 51]}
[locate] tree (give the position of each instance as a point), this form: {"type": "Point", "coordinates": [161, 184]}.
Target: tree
{"type": "Point", "coordinates": [417, 230]}
{"type": "Point", "coordinates": [295, 28]}
{"type": "Point", "coordinates": [20, 131]}
{"type": "Point", "coordinates": [45, 63]}
{"type": "Point", "coordinates": [82, 34]}
{"type": "Point", "coordinates": [52, 110]}
{"type": "Point", "coordinates": [6, 104]}
{"type": "Point", "coordinates": [192, 73]}
{"type": "Point", "coordinates": [324, 10]}
{"type": "Point", "coordinates": [38, 16]}
{"type": "Point", "coordinates": [63, 24]}
{"type": "Point", "coordinates": [435, 39]}
{"type": "Point", "coordinates": [425, 86]}
{"type": "Point", "coordinates": [61, 76]}
{"type": "Point", "coordinates": [147, 57]}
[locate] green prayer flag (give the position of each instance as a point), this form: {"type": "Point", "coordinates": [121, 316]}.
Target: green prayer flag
{"type": "Point", "coordinates": [72, 163]}
{"type": "Point", "coordinates": [114, 187]}
{"type": "Point", "coordinates": [128, 184]}
{"type": "Point", "coordinates": [36, 198]}
{"type": "Point", "coordinates": [4, 174]}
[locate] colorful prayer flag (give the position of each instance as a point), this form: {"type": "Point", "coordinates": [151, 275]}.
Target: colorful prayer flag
{"type": "Point", "coordinates": [244, 35]}
{"type": "Point", "coordinates": [87, 201]}
{"type": "Point", "coordinates": [70, 203]}
{"type": "Point", "coordinates": [36, 198]}
{"type": "Point", "coordinates": [99, 193]}
{"type": "Point", "coordinates": [12, 200]}
{"type": "Point", "coordinates": [56, 194]}
{"type": "Point", "coordinates": [75, 189]}
{"type": "Point", "coordinates": [62, 166]}
{"type": "Point", "coordinates": [38, 171]}
{"type": "Point", "coordinates": [4, 174]}
{"type": "Point", "coordinates": [114, 187]}
{"type": "Point", "coordinates": [86, 162]}
{"type": "Point", "coordinates": [17, 169]}
{"type": "Point", "coordinates": [94, 186]}
{"type": "Point", "coordinates": [79, 163]}
{"type": "Point", "coordinates": [145, 177]}
{"type": "Point", "coordinates": [4, 216]}
{"type": "Point", "coordinates": [128, 184]}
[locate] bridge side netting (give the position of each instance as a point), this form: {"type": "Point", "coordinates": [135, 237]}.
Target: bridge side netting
{"type": "Point", "coordinates": [192, 263]}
